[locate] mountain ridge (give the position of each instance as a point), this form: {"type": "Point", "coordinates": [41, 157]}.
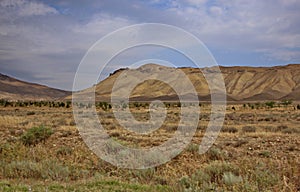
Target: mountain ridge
{"type": "Point", "coordinates": [15, 89]}
{"type": "Point", "coordinates": [243, 83]}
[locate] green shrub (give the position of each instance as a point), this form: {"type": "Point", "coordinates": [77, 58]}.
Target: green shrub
{"type": "Point", "coordinates": [210, 177]}
{"type": "Point", "coordinates": [217, 169]}
{"type": "Point", "coordinates": [270, 104]}
{"type": "Point", "coordinates": [36, 135]}
{"type": "Point", "coordinates": [48, 169]}
{"type": "Point", "coordinates": [265, 179]}
{"type": "Point", "coordinates": [286, 102]}
{"type": "Point", "coordinates": [265, 154]}
{"type": "Point", "coordinates": [215, 153]}
{"type": "Point", "coordinates": [193, 148]}
{"type": "Point", "coordinates": [230, 179]}
{"type": "Point", "coordinates": [145, 175]}
{"type": "Point", "coordinates": [21, 169]}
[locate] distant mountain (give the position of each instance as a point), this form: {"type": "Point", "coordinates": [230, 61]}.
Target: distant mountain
{"type": "Point", "coordinates": [242, 83]}
{"type": "Point", "coordinates": [14, 89]}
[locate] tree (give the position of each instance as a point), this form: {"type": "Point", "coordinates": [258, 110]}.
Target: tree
{"type": "Point", "coordinates": [286, 102]}
{"type": "Point", "coordinates": [270, 104]}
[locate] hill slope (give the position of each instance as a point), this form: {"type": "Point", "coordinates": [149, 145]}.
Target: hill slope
{"type": "Point", "coordinates": [242, 83]}
{"type": "Point", "coordinates": [14, 89]}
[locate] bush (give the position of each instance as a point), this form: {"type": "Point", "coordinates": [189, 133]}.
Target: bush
{"type": "Point", "coordinates": [286, 102]}
{"type": "Point", "coordinates": [249, 129]}
{"type": "Point", "coordinates": [217, 169]}
{"type": "Point", "coordinates": [215, 154]}
{"type": "Point", "coordinates": [21, 169]}
{"type": "Point", "coordinates": [65, 150]}
{"type": "Point", "coordinates": [265, 179]}
{"type": "Point", "coordinates": [212, 175]}
{"type": "Point", "coordinates": [35, 135]}
{"type": "Point", "coordinates": [193, 148]}
{"type": "Point", "coordinates": [270, 104]}
{"type": "Point", "coordinates": [290, 130]}
{"type": "Point", "coordinates": [230, 179]}
{"type": "Point", "coordinates": [144, 176]}
{"type": "Point", "coordinates": [48, 169]}
{"type": "Point", "coordinates": [229, 130]}
{"type": "Point", "coordinates": [279, 128]}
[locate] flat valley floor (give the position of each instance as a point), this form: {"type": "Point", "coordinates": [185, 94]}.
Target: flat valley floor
{"type": "Point", "coordinates": [258, 149]}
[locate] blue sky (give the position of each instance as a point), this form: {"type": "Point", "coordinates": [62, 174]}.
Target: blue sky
{"type": "Point", "coordinates": [44, 41]}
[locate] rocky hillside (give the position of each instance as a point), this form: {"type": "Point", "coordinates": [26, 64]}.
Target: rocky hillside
{"type": "Point", "coordinates": [242, 83]}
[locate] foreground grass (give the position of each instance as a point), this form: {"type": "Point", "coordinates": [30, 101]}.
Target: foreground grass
{"type": "Point", "coordinates": [100, 185]}
{"type": "Point", "coordinates": [41, 150]}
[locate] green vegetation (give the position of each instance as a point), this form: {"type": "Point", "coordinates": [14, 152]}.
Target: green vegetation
{"type": "Point", "coordinates": [286, 102]}
{"type": "Point", "coordinates": [224, 176]}
{"type": "Point", "coordinates": [62, 104]}
{"type": "Point", "coordinates": [35, 135]}
{"type": "Point", "coordinates": [270, 104]}
{"type": "Point", "coordinates": [35, 158]}
{"type": "Point", "coordinates": [91, 185]}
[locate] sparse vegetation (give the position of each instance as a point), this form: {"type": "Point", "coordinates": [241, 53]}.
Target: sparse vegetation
{"type": "Point", "coordinates": [270, 104]}
{"type": "Point", "coordinates": [229, 129]}
{"type": "Point", "coordinates": [249, 129]}
{"type": "Point", "coordinates": [35, 135]}
{"type": "Point", "coordinates": [53, 157]}
{"type": "Point", "coordinates": [286, 102]}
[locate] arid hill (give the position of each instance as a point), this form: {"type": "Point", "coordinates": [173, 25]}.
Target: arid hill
{"type": "Point", "coordinates": [14, 89]}
{"type": "Point", "coordinates": [242, 83]}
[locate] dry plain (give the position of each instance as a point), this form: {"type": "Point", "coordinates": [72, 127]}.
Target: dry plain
{"type": "Point", "coordinates": [258, 149]}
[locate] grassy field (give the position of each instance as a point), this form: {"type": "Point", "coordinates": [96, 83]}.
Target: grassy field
{"type": "Point", "coordinates": [258, 149]}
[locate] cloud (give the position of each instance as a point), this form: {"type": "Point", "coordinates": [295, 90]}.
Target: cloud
{"type": "Point", "coordinates": [245, 25]}
{"type": "Point", "coordinates": [27, 8]}
{"type": "Point", "coordinates": [101, 24]}
{"type": "Point", "coordinates": [41, 39]}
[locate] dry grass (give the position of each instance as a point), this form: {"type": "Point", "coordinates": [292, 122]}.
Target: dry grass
{"type": "Point", "coordinates": [240, 160]}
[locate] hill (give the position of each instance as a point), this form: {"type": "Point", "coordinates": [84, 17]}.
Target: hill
{"type": "Point", "coordinates": [14, 89]}
{"type": "Point", "coordinates": [242, 83]}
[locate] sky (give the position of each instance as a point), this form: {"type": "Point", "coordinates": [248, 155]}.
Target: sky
{"type": "Point", "coordinates": [44, 41]}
